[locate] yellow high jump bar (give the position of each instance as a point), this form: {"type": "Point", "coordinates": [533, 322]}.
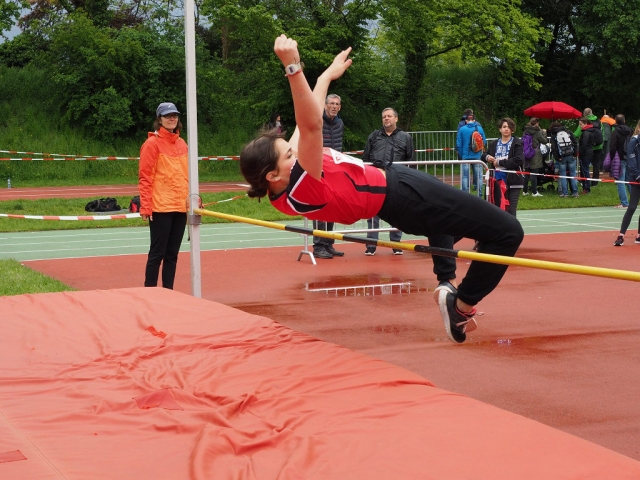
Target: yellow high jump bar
{"type": "Point", "coordinates": [481, 257]}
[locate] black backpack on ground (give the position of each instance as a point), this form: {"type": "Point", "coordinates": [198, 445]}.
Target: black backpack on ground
{"type": "Point", "coordinates": [108, 204]}
{"type": "Point", "coordinates": [134, 204]}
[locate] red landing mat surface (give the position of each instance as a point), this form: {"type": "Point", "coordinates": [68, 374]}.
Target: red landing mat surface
{"type": "Point", "coordinates": [558, 348]}
{"type": "Point", "coordinates": [150, 384]}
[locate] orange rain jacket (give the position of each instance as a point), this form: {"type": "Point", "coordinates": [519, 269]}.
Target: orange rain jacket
{"type": "Point", "coordinates": [163, 174]}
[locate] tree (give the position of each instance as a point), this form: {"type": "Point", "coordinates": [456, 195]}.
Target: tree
{"type": "Point", "coordinates": [112, 79]}
{"type": "Point", "coordinates": [240, 39]}
{"type": "Point", "coordinates": [9, 13]}
{"type": "Point", "coordinates": [495, 32]}
{"type": "Point", "coordinates": [591, 57]}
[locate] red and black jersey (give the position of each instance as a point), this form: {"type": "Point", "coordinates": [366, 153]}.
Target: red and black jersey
{"type": "Point", "coordinates": [348, 191]}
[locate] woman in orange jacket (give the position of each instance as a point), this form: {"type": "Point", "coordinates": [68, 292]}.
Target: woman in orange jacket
{"type": "Point", "coordinates": [163, 183]}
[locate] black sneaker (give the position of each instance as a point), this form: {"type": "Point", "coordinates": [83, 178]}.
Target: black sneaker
{"type": "Point", "coordinates": [333, 251]}
{"type": "Point", "coordinates": [638, 239]}
{"type": "Point", "coordinates": [446, 285]}
{"type": "Point", "coordinates": [397, 251]}
{"type": "Point", "coordinates": [443, 285]}
{"type": "Point", "coordinates": [321, 253]}
{"type": "Point", "coordinates": [619, 241]}
{"type": "Point", "coordinates": [370, 252]}
{"type": "Point", "coordinates": [456, 323]}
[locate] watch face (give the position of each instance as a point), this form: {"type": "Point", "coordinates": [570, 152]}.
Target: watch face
{"type": "Point", "coordinates": [293, 68]}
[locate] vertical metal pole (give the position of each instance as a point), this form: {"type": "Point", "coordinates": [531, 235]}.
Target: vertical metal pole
{"type": "Point", "coordinates": [192, 140]}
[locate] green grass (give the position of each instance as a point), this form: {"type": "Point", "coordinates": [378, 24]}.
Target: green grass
{"type": "Point", "coordinates": [603, 195]}
{"type": "Point", "coordinates": [16, 279]}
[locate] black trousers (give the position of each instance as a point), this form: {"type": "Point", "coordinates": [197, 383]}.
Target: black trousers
{"type": "Point", "coordinates": [597, 161]}
{"type": "Point", "coordinates": [533, 179]}
{"type": "Point", "coordinates": [418, 203]}
{"type": "Point", "coordinates": [584, 172]}
{"type": "Point", "coordinates": [167, 230]}
{"type": "Point", "coordinates": [634, 198]}
{"type": "Point", "coordinates": [321, 241]}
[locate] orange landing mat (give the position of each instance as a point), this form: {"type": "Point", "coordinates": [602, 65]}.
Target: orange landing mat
{"type": "Point", "coordinates": [153, 384]}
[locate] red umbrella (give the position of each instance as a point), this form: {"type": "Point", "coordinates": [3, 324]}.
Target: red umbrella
{"type": "Point", "coordinates": [552, 110]}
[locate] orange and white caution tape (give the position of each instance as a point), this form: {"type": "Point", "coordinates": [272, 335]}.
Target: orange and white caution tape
{"type": "Point", "coordinates": [66, 158]}
{"type": "Point", "coordinates": [119, 216]}
{"type": "Point", "coordinates": [42, 154]}
{"type": "Point", "coordinates": [233, 157]}
{"type": "Point", "coordinates": [71, 217]}
{"type": "Point", "coordinates": [556, 177]}
{"type": "Point", "coordinates": [63, 159]}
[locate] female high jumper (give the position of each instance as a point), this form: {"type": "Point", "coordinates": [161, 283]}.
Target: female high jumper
{"type": "Point", "coordinates": [303, 178]}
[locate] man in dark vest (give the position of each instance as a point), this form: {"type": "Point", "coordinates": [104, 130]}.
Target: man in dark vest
{"type": "Point", "coordinates": [332, 133]}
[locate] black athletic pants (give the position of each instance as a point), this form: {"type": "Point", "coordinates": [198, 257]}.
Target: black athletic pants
{"type": "Point", "coordinates": [321, 241]}
{"type": "Point", "coordinates": [167, 230]}
{"type": "Point", "coordinates": [418, 203]}
{"type": "Point", "coordinates": [634, 198]}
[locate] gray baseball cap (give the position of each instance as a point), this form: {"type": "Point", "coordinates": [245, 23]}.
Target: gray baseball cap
{"type": "Point", "coordinates": [165, 109]}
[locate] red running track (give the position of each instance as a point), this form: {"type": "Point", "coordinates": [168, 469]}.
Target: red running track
{"type": "Point", "coordinates": [99, 191]}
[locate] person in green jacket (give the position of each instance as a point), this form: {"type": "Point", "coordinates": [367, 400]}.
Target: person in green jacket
{"type": "Point", "coordinates": [598, 153]}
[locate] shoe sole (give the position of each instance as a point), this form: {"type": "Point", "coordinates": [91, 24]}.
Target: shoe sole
{"type": "Point", "coordinates": [448, 287]}
{"type": "Point", "coordinates": [444, 312]}
{"type": "Point", "coordinates": [368, 254]}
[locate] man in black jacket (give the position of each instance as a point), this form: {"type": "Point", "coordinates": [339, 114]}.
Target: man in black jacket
{"type": "Point", "coordinates": [385, 146]}
{"type": "Point", "coordinates": [332, 133]}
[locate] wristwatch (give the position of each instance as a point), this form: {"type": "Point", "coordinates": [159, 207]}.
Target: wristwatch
{"type": "Point", "coordinates": [293, 68]}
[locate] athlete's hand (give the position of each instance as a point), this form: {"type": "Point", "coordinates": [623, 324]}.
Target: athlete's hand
{"type": "Point", "coordinates": [339, 65]}
{"type": "Point", "coordinates": [286, 49]}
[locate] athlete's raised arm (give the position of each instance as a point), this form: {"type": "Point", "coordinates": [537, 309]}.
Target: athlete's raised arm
{"type": "Point", "coordinates": [306, 140]}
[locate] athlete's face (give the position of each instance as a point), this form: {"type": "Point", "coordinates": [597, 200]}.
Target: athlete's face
{"type": "Point", "coordinates": [286, 159]}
